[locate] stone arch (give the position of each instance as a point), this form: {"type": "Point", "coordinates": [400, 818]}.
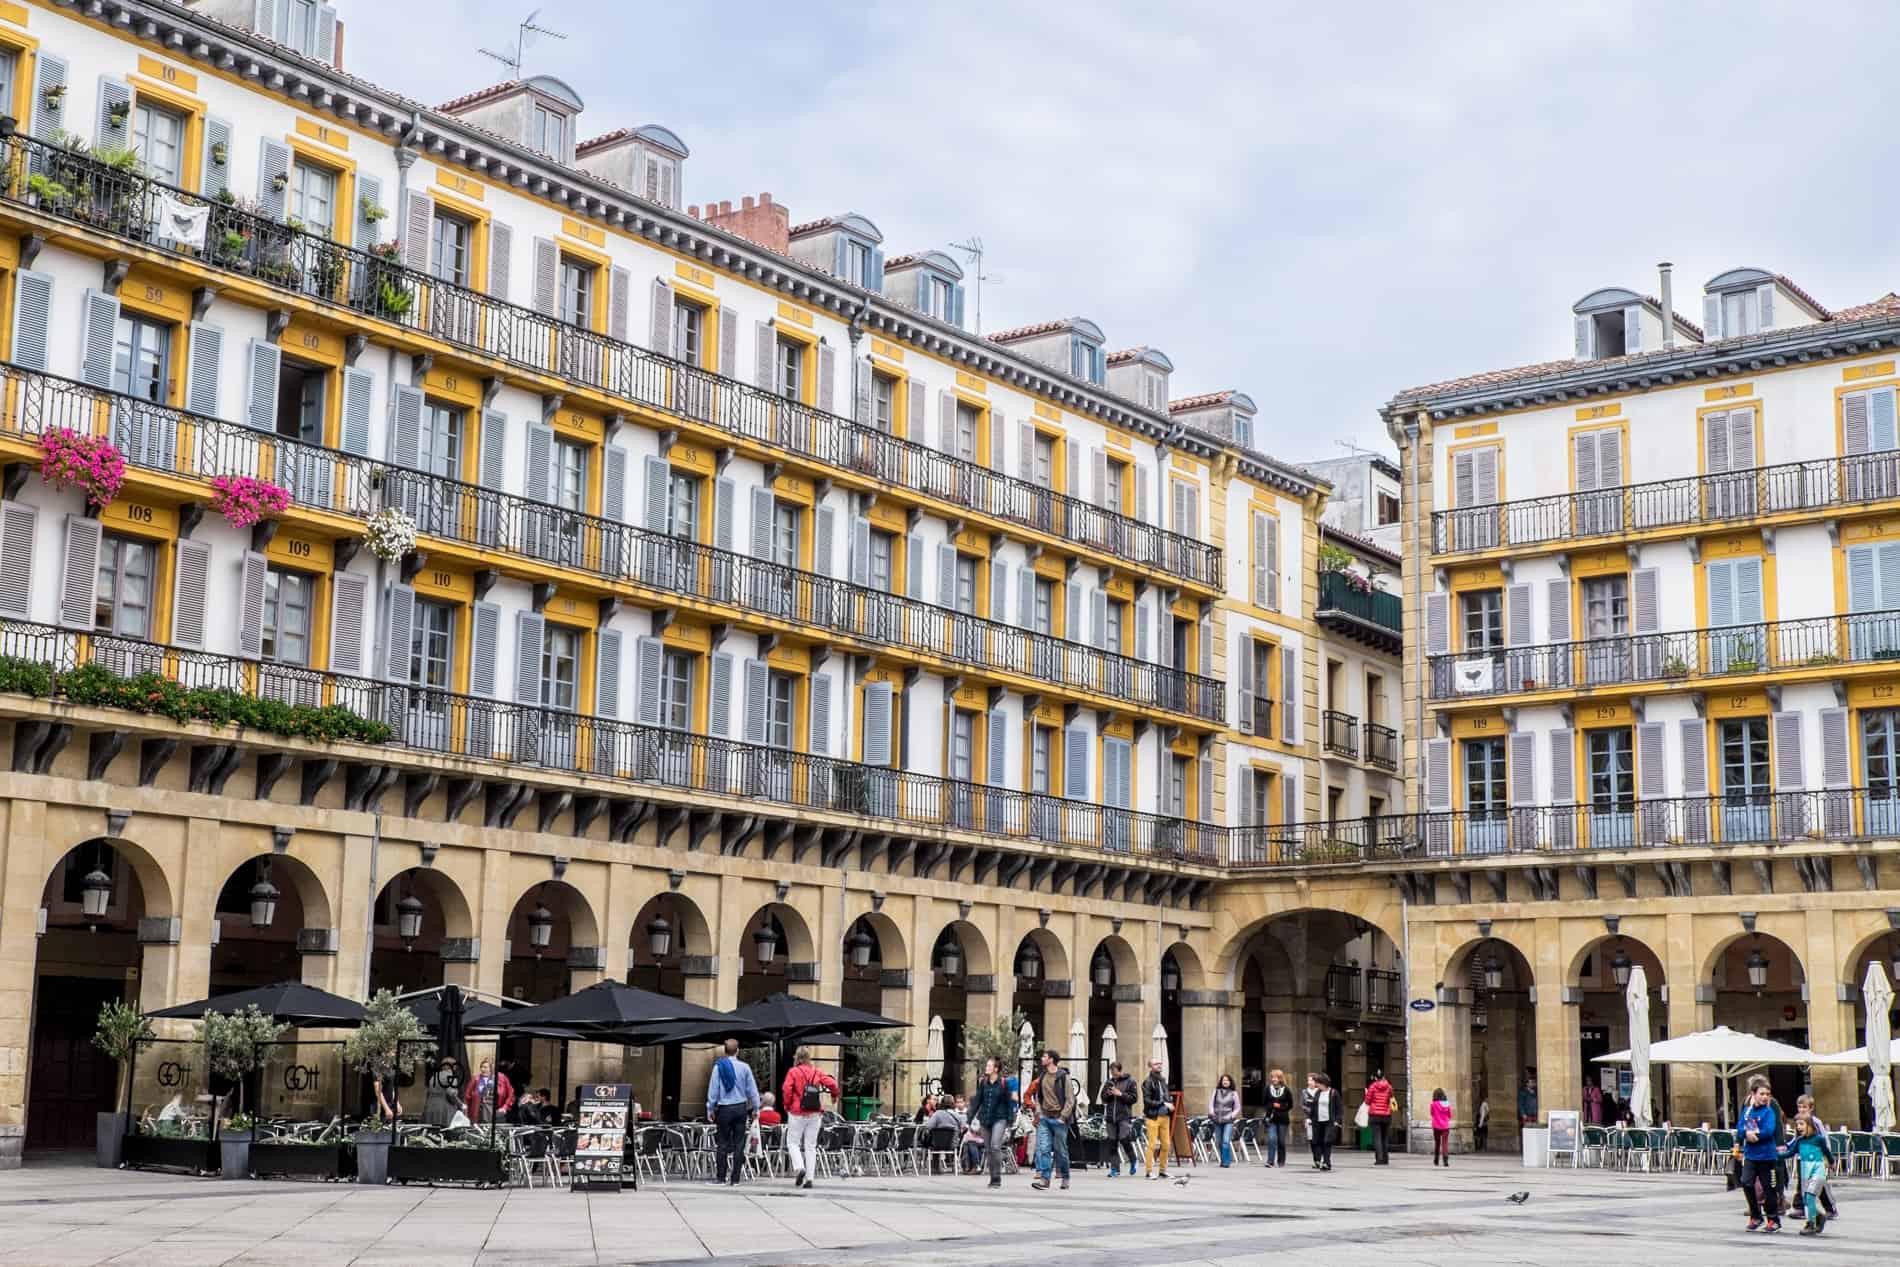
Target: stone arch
{"type": "Point", "coordinates": [978, 960]}
{"type": "Point", "coordinates": [1188, 963]}
{"type": "Point", "coordinates": [1055, 956]}
{"type": "Point", "coordinates": [291, 873]}
{"type": "Point", "coordinates": [799, 945]}
{"type": "Point", "coordinates": [1638, 950]}
{"type": "Point", "coordinates": [891, 950]}
{"type": "Point", "coordinates": [1720, 950]}
{"type": "Point", "coordinates": [1519, 968]}
{"type": "Point", "coordinates": [155, 888]}
{"type": "Point", "coordinates": [692, 935]}
{"type": "Point", "coordinates": [1878, 943]}
{"type": "Point", "coordinates": [1227, 966]}
{"type": "Point", "coordinates": [562, 900]}
{"type": "Point", "coordinates": [445, 906]}
{"type": "Point", "coordinates": [1121, 957]}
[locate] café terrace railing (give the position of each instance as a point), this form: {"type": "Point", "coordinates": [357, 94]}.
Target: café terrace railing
{"type": "Point", "coordinates": [1687, 501]}
{"type": "Point", "coordinates": [160, 438]}
{"type": "Point", "coordinates": [1678, 656]}
{"type": "Point", "coordinates": [375, 284]}
{"type": "Point", "coordinates": [427, 720]}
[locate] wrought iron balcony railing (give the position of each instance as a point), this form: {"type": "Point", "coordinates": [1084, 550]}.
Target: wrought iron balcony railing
{"type": "Point", "coordinates": [374, 284]}
{"type": "Point", "coordinates": [173, 442]}
{"type": "Point", "coordinates": [422, 719]}
{"type": "Point", "coordinates": [1684, 655]}
{"type": "Point", "coordinates": [1685, 502]}
{"type": "Point", "coordinates": [1382, 746]}
{"type": "Point", "coordinates": [1375, 607]}
{"type": "Point", "coordinates": [1344, 988]}
{"type": "Point", "coordinates": [1339, 733]}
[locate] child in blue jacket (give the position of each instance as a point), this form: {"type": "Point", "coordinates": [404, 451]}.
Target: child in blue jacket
{"type": "Point", "coordinates": [1810, 1151]}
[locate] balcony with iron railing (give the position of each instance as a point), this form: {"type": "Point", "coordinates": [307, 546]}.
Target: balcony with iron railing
{"type": "Point", "coordinates": [1344, 988]}
{"type": "Point", "coordinates": [374, 286]}
{"type": "Point", "coordinates": [1824, 645]}
{"type": "Point", "coordinates": [1385, 994]}
{"type": "Point", "coordinates": [1382, 746]}
{"type": "Point", "coordinates": [1339, 734]}
{"type": "Point", "coordinates": [426, 721]}
{"type": "Point", "coordinates": [658, 569]}
{"type": "Point", "coordinates": [1681, 506]}
{"type": "Point", "coordinates": [1370, 615]}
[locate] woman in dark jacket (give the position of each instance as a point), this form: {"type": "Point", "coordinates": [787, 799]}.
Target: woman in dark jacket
{"type": "Point", "coordinates": [992, 1111]}
{"type": "Point", "coordinates": [1119, 1095]}
{"type": "Point", "coordinates": [1279, 1116]}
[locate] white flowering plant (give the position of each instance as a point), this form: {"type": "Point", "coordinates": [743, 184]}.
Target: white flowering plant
{"type": "Point", "coordinates": [391, 534]}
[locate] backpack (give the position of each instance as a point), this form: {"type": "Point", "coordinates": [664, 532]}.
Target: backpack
{"type": "Point", "coordinates": [811, 1099]}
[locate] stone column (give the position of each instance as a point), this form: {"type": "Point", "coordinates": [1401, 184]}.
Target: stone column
{"type": "Point", "coordinates": [1440, 1044]}
{"type": "Point", "coordinates": [1504, 1063]}
{"type": "Point", "coordinates": [493, 905]}
{"type": "Point", "coordinates": [1689, 1004]}
{"type": "Point", "coordinates": [350, 907]}
{"type": "Point", "coordinates": [23, 873]}
{"type": "Point", "coordinates": [1209, 1042]}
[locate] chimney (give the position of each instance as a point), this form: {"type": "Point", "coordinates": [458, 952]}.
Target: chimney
{"type": "Point", "coordinates": [1668, 307]}
{"type": "Point", "coordinates": [763, 221]}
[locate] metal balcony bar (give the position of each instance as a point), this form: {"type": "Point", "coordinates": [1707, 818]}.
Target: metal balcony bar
{"type": "Point", "coordinates": [1343, 988]}
{"type": "Point", "coordinates": [374, 284]}
{"type": "Point", "coordinates": [1373, 607]}
{"type": "Point", "coordinates": [160, 438]}
{"type": "Point", "coordinates": [1382, 746]}
{"type": "Point", "coordinates": [427, 720]}
{"type": "Point", "coordinates": [1340, 733]}
{"type": "Point", "coordinates": [1686, 501]}
{"type": "Point", "coordinates": [1680, 655]}
{"type": "Point", "coordinates": [1385, 992]}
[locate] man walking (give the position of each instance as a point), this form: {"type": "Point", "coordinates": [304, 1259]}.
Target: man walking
{"type": "Point", "coordinates": [806, 1086]}
{"type": "Point", "coordinates": [1118, 1120]}
{"type": "Point", "coordinates": [732, 1097]}
{"type": "Point", "coordinates": [1055, 1107]}
{"type": "Point", "coordinates": [1379, 1116]}
{"type": "Point", "coordinates": [1157, 1106]}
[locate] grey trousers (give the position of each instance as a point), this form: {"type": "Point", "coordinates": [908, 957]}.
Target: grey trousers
{"type": "Point", "coordinates": [993, 1147]}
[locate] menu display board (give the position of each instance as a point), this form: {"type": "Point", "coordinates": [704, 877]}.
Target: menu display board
{"type": "Point", "coordinates": [600, 1138]}
{"type": "Point", "coordinates": [1565, 1132]}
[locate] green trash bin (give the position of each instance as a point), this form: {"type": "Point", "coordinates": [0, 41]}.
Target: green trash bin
{"type": "Point", "coordinates": [1365, 1139]}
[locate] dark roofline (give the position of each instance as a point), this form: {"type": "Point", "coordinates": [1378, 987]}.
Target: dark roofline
{"type": "Point", "coordinates": [1360, 544]}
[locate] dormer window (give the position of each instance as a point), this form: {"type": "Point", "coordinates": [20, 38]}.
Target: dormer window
{"type": "Point", "coordinates": [1243, 431]}
{"type": "Point", "coordinates": [941, 301]}
{"type": "Point", "coordinates": [547, 132]}
{"type": "Point", "coordinates": [857, 262]}
{"type": "Point", "coordinates": [1085, 360]}
{"type": "Point", "coordinates": [1741, 313]}
{"type": "Point", "coordinates": [1609, 323]}
{"type": "Point", "coordinates": [1609, 334]}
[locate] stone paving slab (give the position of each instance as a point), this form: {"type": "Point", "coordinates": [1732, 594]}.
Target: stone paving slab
{"type": "Point", "coordinates": [1407, 1214]}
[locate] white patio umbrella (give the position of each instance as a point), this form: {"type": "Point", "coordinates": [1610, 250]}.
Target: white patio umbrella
{"type": "Point", "coordinates": [1877, 993]}
{"type": "Point", "coordinates": [1858, 1056]}
{"type": "Point", "coordinates": [1109, 1053]}
{"type": "Point", "coordinates": [1639, 1044]}
{"type": "Point", "coordinates": [1159, 1051]}
{"type": "Point", "coordinates": [1079, 1061]}
{"type": "Point", "coordinates": [933, 1050]}
{"type": "Point", "coordinates": [1730, 1053]}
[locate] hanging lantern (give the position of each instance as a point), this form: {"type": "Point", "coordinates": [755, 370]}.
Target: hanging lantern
{"type": "Point", "coordinates": [1170, 975]}
{"type": "Point", "coordinates": [409, 919]}
{"type": "Point", "coordinates": [95, 892]}
{"type": "Point", "coordinates": [1029, 961]}
{"type": "Point", "coordinates": [1493, 973]}
{"type": "Point", "coordinates": [659, 936]}
{"type": "Point", "coordinates": [765, 944]}
{"type": "Point", "coordinates": [1620, 968]}
{"type": "Point", "coordinates": [263, 898]}
{"type": "Point", "coordinates": [1102, 969]}
{"type": "Point", "coordinates": [859, 943]}
{"type": "Point", "coordinates": [949, 957]}
{"type": "Point", "coordinates": [540, 928]}
{"type": "Point", "coordinates": [1757, 969]}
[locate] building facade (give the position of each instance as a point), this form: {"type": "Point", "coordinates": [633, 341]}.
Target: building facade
{"type": "Point", "coordinates": [1650, 688]}
{"type": "Point", "coordinates": [762, 627]}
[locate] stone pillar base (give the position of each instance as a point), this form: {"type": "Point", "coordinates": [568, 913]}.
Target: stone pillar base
{"type": "Point", "coordinates": [12, 1144]}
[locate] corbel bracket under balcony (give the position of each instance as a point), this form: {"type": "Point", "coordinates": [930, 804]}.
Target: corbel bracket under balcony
{"type": "Point", "coordinates": [13, 478]}
{"type": "Point", "coordinates": [543, 594]}
{"type": "Point", "coordinates": [345, 550]}
{"type": "Point", "coordinates": [1507, 568]}
{"type": "Point", "coordinates": [609, 608]}
{"type": "Point", "coordinates": [201, 297]}
{"type": "Point", "coordinates": [768, 643]}
{"type": "Point", "coordinates": [612, 426]}
{"type": "Point", "coordinates": [1767, 540]}
{"type": "Point", "coordinates": [551, 405]}
{"type": "Point", "coordinates": [484, 580]}
{"type": "Point", "coordinates": [662, 618]}
{"type": "Point", "coordinates": [1695, 548]}
{"type": "Point", "coordinates": [31, 244]}
{"type": "Point", "coordinates": [1833, 527]}
{"type": "Point", "coordinates": [276, 321]}
{"type": "Point", "coordinates": [491, 388]}
{"type": "Point", "coordinates": [114, 275]}
{"type": "Point", "coordinates": [412, 564]}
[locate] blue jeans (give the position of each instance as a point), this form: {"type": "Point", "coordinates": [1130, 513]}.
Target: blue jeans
{"type": "Point", "coordinates": [1052, 1147]}
{"type": "Point", "coordinates": [1276, 1143]}
{"type": "Point", "coordinates": [1224, 1133]}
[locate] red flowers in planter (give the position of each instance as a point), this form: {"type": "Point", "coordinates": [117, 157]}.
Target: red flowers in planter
{"type": "Point", "coordinates": [88, 462]}
{"type": "Point", "coordinates": [243, 500]}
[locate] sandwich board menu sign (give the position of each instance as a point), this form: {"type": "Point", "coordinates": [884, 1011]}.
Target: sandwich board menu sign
{"type": "Point", "coordinates": [600, 1136]}
{"type": "Point", "coordinates": [1564, 1135]}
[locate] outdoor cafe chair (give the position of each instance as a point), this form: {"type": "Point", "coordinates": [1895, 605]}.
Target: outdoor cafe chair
{"type": "Point", "coordinates": [834, 1144]}
{"type": "Point", "coordinates": [1863, 1153]}
{"type": "Point", "coordinates": [1688, 1150]}
{"type": "Point", "coordinates": [1596, 1141]}
{"type": "Point", "coordinates": [1890, 1156]}
{"type": "Point", "coordinates": [942, 1148]}
{"type": "Point", "coordinates": [1247, 1138]}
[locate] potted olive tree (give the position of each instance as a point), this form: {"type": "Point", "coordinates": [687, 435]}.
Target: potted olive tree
{"type": "Point", "coordinates": [231, 1044]}
{"type": "Point", "coordinates": [121, 1028]}
{"type": "Point", "coordinates": [873, 1057]}
{"type": "Point", "coordinates": [389, 1032]}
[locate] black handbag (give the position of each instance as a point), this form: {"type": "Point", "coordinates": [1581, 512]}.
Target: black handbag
{"type": "Point", "coordinates": [811, 1099]}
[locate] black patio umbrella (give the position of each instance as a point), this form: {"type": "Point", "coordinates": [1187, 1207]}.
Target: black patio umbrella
{"type": "Point", "coordinates": [428, 1008]}
{"type": "Point", "coordinates": [287, 1003]}
{"type": "Point", "coordinates": [604, 1011]}
{"type": "Point", "coordinates": [786, 1017]}
{"type": "Point", "coordinates": [451, 1024]}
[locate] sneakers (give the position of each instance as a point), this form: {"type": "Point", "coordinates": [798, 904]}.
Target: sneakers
{"type": "Point", "coordinates": [807, 1182]}
{"type": "Point", "coordinates": [1039, 1184]}
{"type": "Point", "coordinates": [1164, 1174]}
{"type": "Point", "coordinates": [1065, 1185]}
{"type": "Point", "coordinates": [996, 1183]}
{"type": "Point", "coordinates": [1773, 1225]}
{"type": "Point", "coordinates": [1327, 1166]}
{"type": "Point", "coordinates": [1754, 1225]}
{"type": "Point", "coordinates": [798, 1179]}
{"type": "Point", "coordinates": [1115, 1173]}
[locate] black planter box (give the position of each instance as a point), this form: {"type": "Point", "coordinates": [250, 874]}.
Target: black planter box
{"type": "Point", "coordinates": [199, 1156]}
{"type": "Point", "coordinates": [302, 1161]}
{"type": "Point", "coordinates": [444, 1165]}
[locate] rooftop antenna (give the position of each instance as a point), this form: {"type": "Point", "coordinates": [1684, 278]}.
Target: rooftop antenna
{"type": "Point", "coordinates": [974, 249]}
{"type": "Point", "coordinates": [522, 32]}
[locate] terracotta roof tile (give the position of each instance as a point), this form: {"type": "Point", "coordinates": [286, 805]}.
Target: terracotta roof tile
{"type": "Point", "coordinates": [902, 260]}
{"type": "Point", "coordinates": [809, 225]}
{"type": "Point", "coordinates": [1124, 356]}
{"type": "Point", "coordinates": [1188, 404]}
{"type": "Point", "coordinates": [1886, 306]}
{"type": "Point", "coordinates": [480, 95]}
{"type": "Point", "coordinates": [604, 139]}
{"type": "Point", "coordinates": [1024, 332]}
{"type": "Point", "coordinates": [1803, 296]}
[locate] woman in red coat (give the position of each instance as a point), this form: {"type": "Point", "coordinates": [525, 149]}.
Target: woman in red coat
{"type": "Point", "coordinates": [485, 1086]}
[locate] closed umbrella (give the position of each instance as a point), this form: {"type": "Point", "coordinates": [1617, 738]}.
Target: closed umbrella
{"type": "Point", "coordinates": [1079, 1061]}
{"type": "Point", "coordinates": [1026, 1052]}
{"type": "Point", "coordinates": [1159, 1051]}
{"type": "Point", "coordinates": [933, 1052]}
{"type": "Point", "coordinates": [1639, 1044]}
{"type": "Point", "coordinates": [1109, 1054]}
{"type": "Point", "coordinates": [1877, 994]}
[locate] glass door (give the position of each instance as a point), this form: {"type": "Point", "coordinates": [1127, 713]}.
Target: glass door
{"type": "Point", "coordinates": [1744, 756]}
{"type": "Point", "coordinates": [1880, 760]}
{"type": "Point", "coordinates": [1606, 626]}
{"type": "Point", "coordinates": [1484, 796]}
{"type": "Point", "coordinates": [1612, 775]}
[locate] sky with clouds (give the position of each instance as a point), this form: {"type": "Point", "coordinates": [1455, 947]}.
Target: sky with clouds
{"type": "Point", "coordinates": [1317, 204]}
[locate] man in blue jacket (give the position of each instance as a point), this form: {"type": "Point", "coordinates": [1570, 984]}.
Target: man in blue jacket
{"type": "Point", "coordinates": [1760, 1129]}
{"type": "Point", "coordinates": [732, 1097]}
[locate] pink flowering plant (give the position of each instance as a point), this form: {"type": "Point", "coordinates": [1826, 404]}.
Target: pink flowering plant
{"type": "Point", "coordinates": [91, 463]}
{"type": "Point", "coordinates": [243, 500]}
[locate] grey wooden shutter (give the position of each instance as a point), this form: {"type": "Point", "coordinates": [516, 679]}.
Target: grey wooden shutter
{"type": "Point", "coordinates": [995, 764]}
{"type": "Point", "coordinates": [1563, 783]}
{"type": "Point", "coordinates": [1260, 571]}
{"type": "Point", "coordinates": [536, 479]}
{"type": "Point", "coordinates": [1523, 768]}
{"type": "Point", "coordinates": [114, 95]}
{"type": "Point", "coordinates": [1715, 443]}
{"type": "Point", "coordinates": [102, 319]}
{"type": "Point", "coordinates": [531, 630]}
{"type": "Point", "coordinates": [650, 654]}
{"type": "Point", "coordinates": [1289, 694]}
{"type": "Point", "coordinates": [1141, 496]}
{"type": "Point", "coordinates": [1075, 762]}
{"type": "Point", "coordinates": [49, 116]}
{"type": "Point", "coordinates": [877, 723]}
{"type": "Point", "coordinates": [1098, 475]}
{"type": "Point", "coordinates": [400, 603]}
{"type": "Point", "coordinates": [405, 425]}
{"type": "Point", "coordinates": [1462, 482]}
{"type": "Point", "coordinates": [1437, 623]}
{"type": "Point", "coordinates": [1836, 761]}
{"type": "Point", "coordinates": [485, 648]}
{"type": "Point", "coordinates": [1854, 429]}
{"type": "Point", "coordinates": [821, 689]}
{"type": "Point", "coordinates": [1438, 775]}
{"type": "Point", "coordinates": [1765, 304]}
{"type": "Point", "coordinates": [1206, 668]}
{"type": "Point", "coordinates": [1517, 607]}
{"type": "Point", "coordinates": [1633, 329]}
{"type": "Point", "coordinates": [1484, 469]}
{"type": "Point", "coordinates": [203, 357]}
{"type": "Point", "coordinates": [1072, 624]}
{"type": "Point", "coordinates": [619, 300]}
{"type": "Point", "coordinates": [357, 386]}
{"type": "Point", "coordinates": [1585, 341]}
{"type": "Point", "coordinates": [19, 525]}
{"type": "Point", "coordinates": [273, 176]}
{"type": "Point", "coordinates": [1557, 608]}
{"type": "Point", "coordinates": [947, 423]}
{"type": "Point", "coordinates": [1141, 632]}
{"type": "Point", "coordinates": [250, 638]}
{"type": "Point", "coordinates": [658, 477]}
{"type": "Point", "coordinates": [1026, 597]}
{"type": "Point", "coordinates": [1289, 798]}
{"type": "Point", "coordinates": [1880, 414]}
{"type": "Point", "coordinates": [999, 589]}
{"type": "Point", "coordinates": [369, 193]}
{"type": "Point", "coordinates": [215, 177]}
{"type": "Point", "coordinates": [764, 344]}
{"type": "Point", "coordinates": [725, 494]}
{"type": "Point", "coordinates": [861, 385]}
{"type": "Point", "coordinates": [191, 569]}
{"type": "Point", "coordinates": [827, 375]}
{"type": "Point", "coordinates": [1025, 451]}
{"type": "Point", "coordinates": [547, 263]}
{"type": "Point", "coordinates": [325, 51]}
{"type": "Point", "coordinates": [1243, 676]}
{"type": "Point", "coordinates": [947, 576]}
{"type": "Point", "coordinates": [32, 313]}
{"type": "Point", "coordinates": [728, 344]}
{"type": "Point", "coordinates": [263, 366]}
{"type": "Point", "coordinates": [757, 677]}
{"type": "Point", "coordinates": [349, 595]}
{"type": "Point", "coordinates": [1748, 595]}
{"type": "Point", "coordinates": [660, 318]}
{"type": "Point", "coordinates": [1645, 601]}
{"type": "Point", "coordinates": [1098, 622]}
{"type": "Point", "coordinates": [495, 450]}
{"type": "Point", "coordinates": [1273, 561]}
{"type": "Point", "coordinates": [501, 247]}
{"type": "Point", "coordinates": [1741, 439]}
{"type": "Point", "coordinates": [914, 563]}
{"type": "Point", "coordinates": [763, 504]}
{"type": "Point", "coordinates": [80, 581]}
{"type": "Point", "coordinates": [607, 673]}
{"type": "Point", "coordinates": [1711, 317]}
{"type": "Point", "coordinates": [1695, 770]}
{"type": "Point", "coordinates": [860, 552]}
{"type": "Point", "coordinates": [1652, 775]}
{"type": "Point", "coordinates": [1609, 458]}
{"type": "Point", "coordinates": [915, 429]}
{"type": "Point", "coordinates": [1204, 806]}
{"type": "Point", "coordinates": [1788, 756]}
{"type": "Point", "coordinates": [1584, 456]}
{"type": "Point", "coordinates": [999, 432]}
{"type": "Point", "coordinates": [1073, 486]}
{"type": "Point", "coordinates": [822, 536]}
{"type": "Point", "coordinates": [719, 696]}
{"type": "Point", "coordinates": [613, 497]}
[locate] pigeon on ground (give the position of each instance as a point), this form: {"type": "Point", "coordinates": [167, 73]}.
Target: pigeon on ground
{"type": "Point", "coordinates": [1182, 1181]}
{"type": "Point", "coordinates": [1518, 1198]}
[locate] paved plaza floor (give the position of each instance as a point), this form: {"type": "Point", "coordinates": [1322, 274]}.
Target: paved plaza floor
{"type": "Point", "coordinates": [1407, 1213]}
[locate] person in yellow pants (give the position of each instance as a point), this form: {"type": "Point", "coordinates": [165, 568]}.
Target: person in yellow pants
{"type": "Point", "coordinates": [1158, 1108]}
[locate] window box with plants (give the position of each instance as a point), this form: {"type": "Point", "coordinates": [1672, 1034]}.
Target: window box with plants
{"type": "Point", "coordinates": [186, 1144]}
{"type": "Point", "coordinates": [423, 1154]}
